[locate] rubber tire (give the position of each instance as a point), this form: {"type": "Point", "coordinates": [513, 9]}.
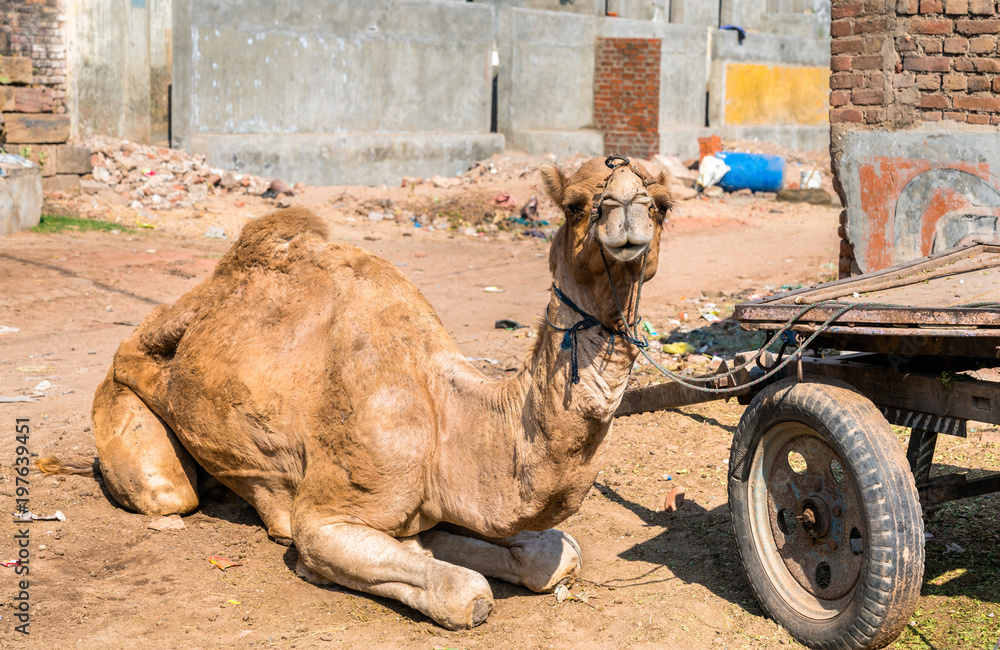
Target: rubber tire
{"type": "Point", "coordinates": [888, 586]}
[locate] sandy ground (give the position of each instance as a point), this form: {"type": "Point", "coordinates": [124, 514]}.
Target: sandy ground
{"type": "Point", "coordinates": [651, 579]}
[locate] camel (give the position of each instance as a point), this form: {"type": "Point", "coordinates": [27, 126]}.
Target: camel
{"type": "Point", "coordinates": [315, 381]}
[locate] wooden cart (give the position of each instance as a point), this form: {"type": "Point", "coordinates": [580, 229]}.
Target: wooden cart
{"type": "Point", "coordinates": [825, 505]}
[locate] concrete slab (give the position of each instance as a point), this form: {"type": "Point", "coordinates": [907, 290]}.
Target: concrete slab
{"type": "Point", "coordinates": [560, 143]}
{"type": "Point", "coordinates": [914, 193]}
{"type": "Point", "coordinates": [20, 198]}
{"type": "Point", "coordinates": [349, 158]}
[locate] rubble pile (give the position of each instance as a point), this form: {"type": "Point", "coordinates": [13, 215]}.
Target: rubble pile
{"type": "Point", "coordinates": [158, 178]}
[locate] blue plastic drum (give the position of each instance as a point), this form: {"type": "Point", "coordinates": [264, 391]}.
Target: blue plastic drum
{"type": "Point", "coordinates": [753, 171]}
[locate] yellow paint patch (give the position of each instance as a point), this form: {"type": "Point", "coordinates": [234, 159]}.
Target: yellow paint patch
{"type": "Point", "coordinates": [773, 94]}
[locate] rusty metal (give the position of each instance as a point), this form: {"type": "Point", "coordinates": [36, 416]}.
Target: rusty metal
{"type": "Point", "coordinates": [941, 489]}
{"type": "Point", "coordinates": [812, 508]}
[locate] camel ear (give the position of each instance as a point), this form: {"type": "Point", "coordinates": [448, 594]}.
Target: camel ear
{"type": "Point", "coordinates": [555, 183]}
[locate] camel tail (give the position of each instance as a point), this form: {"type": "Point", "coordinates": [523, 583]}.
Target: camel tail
{"type": "Point", "coordinates": [80, 467]}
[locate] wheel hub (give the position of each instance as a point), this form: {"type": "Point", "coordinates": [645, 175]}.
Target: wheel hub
{"type": "Point", "coordinates": [816, 516]}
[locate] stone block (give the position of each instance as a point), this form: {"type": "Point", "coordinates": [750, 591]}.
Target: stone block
{"type": "Point", "coordinates": [6, 99]}
{"type": "Point", "coordinates": [31, 128]}
{"type": "Point", "coordinates": [15, 70]}
{"type": "Point", "coordinates": [33, 100]}
{"type": "Point", "coordinates": [66, 183]}
{"type": "Point", "coordinates": [73, 159]}
{"type": "Point", "coordinates": [43, 155]}
{"type": "Point", "coordinates": [20, 198]}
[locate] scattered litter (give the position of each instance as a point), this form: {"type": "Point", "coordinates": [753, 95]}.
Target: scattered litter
{"type": "Point", "coordinates": [11, 563]}
{"type": "Point", "coordinates": [493, 289]}
{"type": "Point", "coordinates": [170, 522]}
{"type": "Point", "coordinates": [530, 209]}
{"type": "Point", "coordinates": [951, 547]}
{"type": "Point", "coordinates": [8, 330]}
{"type": "Point", "coordinates": [494, 362]}
{"type": "Point", "coordinates": [43, 386]}
{"type": "Point", "coordinates": [42, 369]}
{"type": "Point", "coordinates": [215, 232]}
{"type": "Point", "coordinates": [667, 477]}
{"type": "Point", "coordinates": [375, 216]}
{"type": "Point", "coordinates": [507, 324]}
{"type": "Point", "coordinates": [30, 516]}
{"type": "Point", "coordinates": [928, 536]}
{"type": "Point", "coordinates": [791, 287]}
{"type": "Point", "coordinates": [505, 200]}
{"type": "Point", "coordinates": [10, 399]}
{"type": "Point", "coordinates": [711, 170]}
{"type": "Point", "coordinates": [675, 499]}
{"type": "Point", "coordinates": [235, 602]}
{"type": "Point", "coordinates": [681, 347]}
{"type": "Point", "coordinates": [222, 562]}
{"type": "Point", "coordinates": [646, 325]}
{"type": "Point", "coordinates": [562, 593]}
{"type": "Point", "coordinates": [710, 317]}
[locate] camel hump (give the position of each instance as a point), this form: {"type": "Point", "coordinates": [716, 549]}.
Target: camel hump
{"type": "Point", "coordinates": [267, 241]}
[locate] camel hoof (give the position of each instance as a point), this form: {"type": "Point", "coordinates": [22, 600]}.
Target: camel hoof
{"type": "Point", "coordinates": [550, 558]}
{"type": "Point", "coordinates": [459, 598]}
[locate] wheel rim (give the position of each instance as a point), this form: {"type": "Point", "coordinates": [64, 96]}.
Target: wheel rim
{"type": "Point", "coordinates": [807, 521]}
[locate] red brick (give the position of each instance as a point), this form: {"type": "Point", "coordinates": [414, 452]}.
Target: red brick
{"type": "Point", "coordinates": [928, 81]}
{"type": "Point", "coordinates": [868, 25]}
{"type": "Point", "coordinates": [956, 45]}
{"type": "Point", "coordinates": [953, 82]}
{"type": "Point", "coordinates": [874, 116]}
{"type": "Point", "coordinates": [953, 116]}
{"type": "Point", "coordinates": [932, 116]}
{"type": "Point", "coordinates": [991, 104]}
{"type": "Point", "coordinates": [963, 64]}
{"type": "Point", "coordinates": [926, 64]}
{"type": "Point", "coordinates": [956, 6]}
{"type": "Point", "coordinates": [845, 10]}
{"type": "Point", "coordinates": [846, 46]}
{"type": "Point", "coordinates": [983, 45]}
{"type": "Point", "coordinates": [875, 6]}
{"type": "Point", "coordinates": [931, 6]}
{"type": "Point", "coordinates": [903, 45]}
{"type": "Point", "coordinates": [976, 118]}
{"type": "Point", "coordinates": [904, 80]}
{"type": "Point", "coordinates": [840, 63]}
{"type": "Point", "coordinates": [934, 101]}
{"type": "Point", "coordinates": [987, 65]}
{"type": "Point", "coordinates": [979, 84]}
{"type": "Point", "coordinates": [840, 80]}
{"type": "Point", "coordinates": [996, 84]}
{"type": "Point", "coordinates": [839, 97]}
{"type": "Point", "coordinates": [907, 6]}
{"type": "Point", "coordinates": [981, 6]}
{"type": "Point", "coordinates": [840, 28]}
{"type": "Point", "coordinates": [873, 43]}
{"type": "Point", "coordinates": [867, 97]}
{"type": "Point", "coordinates": [932, 26]}
{"type": "Point", "coordinates": [978, 26]}
{"type": "Point", "coordinates": [867, 63]}
{"type": "Point", "coordinates": [930, 45]}
{"type": "Point", "coordinates": [845, 115]}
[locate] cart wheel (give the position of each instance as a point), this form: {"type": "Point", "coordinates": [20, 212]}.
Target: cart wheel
{"type": "Point", "coordinates": [826, 515]}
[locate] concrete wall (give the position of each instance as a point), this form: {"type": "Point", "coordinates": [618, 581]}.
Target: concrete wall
{"type": "Point", "coordinates": [386, 88]}
{"type": "Point", "coordinates": [914, 127]}
{"type": "Point", "coordinates": [119, 68]}
{"type": "Point", "coordinates": [546, 82]}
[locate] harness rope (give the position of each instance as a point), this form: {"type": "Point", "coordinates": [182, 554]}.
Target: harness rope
{"type": "Point", "coordinates": [631, 333]}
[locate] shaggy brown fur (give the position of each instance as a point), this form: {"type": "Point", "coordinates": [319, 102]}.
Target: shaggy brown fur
{"type": "Point", "coordinates": [315, 381]}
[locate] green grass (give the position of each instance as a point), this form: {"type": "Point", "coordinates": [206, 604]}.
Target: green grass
{"type": "Point", "coordinates": [51, 223]}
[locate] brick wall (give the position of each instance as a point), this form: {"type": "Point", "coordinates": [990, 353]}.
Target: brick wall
{"type": "Point", "coordinates": [37, 29]}
{"type": "Point", "coordinates": [627, 95]}
{"type": "Point", "coordinates": [898, 64]}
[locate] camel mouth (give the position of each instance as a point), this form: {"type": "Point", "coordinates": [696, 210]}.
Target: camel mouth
{"type": "Point", "coordinates": [626, 253]}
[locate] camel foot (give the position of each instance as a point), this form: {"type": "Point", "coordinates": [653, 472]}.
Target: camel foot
{"type": "Point", "coordinates": [548, 559]}
{"type": "Point", "coordinates": [458, 598]}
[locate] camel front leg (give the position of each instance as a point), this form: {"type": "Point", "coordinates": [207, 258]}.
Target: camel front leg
{"type": "Point", "coordinates": [539, 561]}
{"type": "Point", "coordinates": [365, 559]}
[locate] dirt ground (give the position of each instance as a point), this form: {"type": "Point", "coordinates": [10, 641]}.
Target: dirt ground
{"type": "Point", "coordinates": [651, 579]}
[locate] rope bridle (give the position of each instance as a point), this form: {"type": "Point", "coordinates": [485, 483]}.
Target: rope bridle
{"type": "Point", "coordinates": [629, 331]}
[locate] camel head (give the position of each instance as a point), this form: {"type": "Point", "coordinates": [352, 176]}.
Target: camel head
{"type": "Point", "coordinates": [612, 206]}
